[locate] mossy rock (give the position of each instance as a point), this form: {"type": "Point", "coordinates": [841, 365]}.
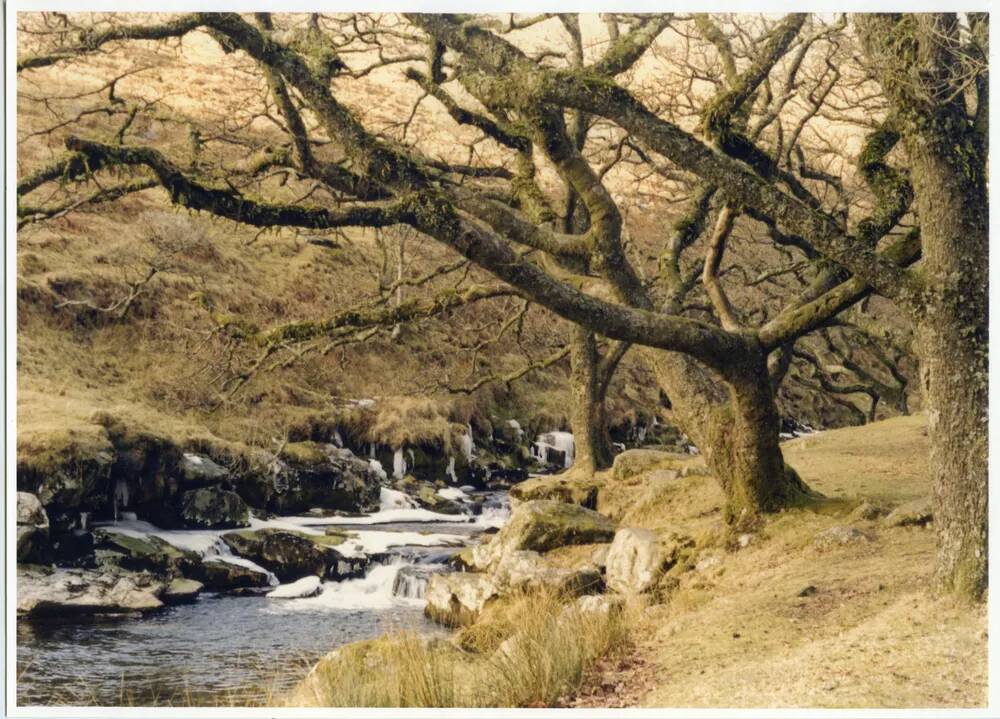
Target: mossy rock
{"type": "Point", "coordinates": [289, 555]}
{"type": "Point", "coordinates": [220, 575]}
{"type": "Point", "coordinates": [181, 591]}
{"type": "Point", "coordinates": [137, 553]}
{"type": "Point", "coordinates": [305, 452]}
{"type": "Point", "coordinates": [68, 469]}
{"type": "Point", "coordinates": [542, 525]}
{"type": "Point", "coordinates": [214, 508]}
{"type": "Point", "coordinates": [310, 474]}
{"type": "Point", "coordinates": [571, 490]}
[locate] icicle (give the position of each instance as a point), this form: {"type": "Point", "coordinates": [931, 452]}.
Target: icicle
{"type": "Point", "coordinates": [468, 444]}
{"type": "Point", "coordinates": [398, 464]}
{"type": "Point", "coordinates": [120, 496]}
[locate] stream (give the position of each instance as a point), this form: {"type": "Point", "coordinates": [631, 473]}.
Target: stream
{"type": "Point", "coordinates": [221, 649]}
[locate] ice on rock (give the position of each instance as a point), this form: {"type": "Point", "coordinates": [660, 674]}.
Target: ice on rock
{"type": "Point", "coordinates": [302, 588]}
{"type": "Point", "coordinates": [378, 469]}
{"type": "Point", "coordinates": [453, 493]}
{"type": "Point", "coordinates": [394, 499]}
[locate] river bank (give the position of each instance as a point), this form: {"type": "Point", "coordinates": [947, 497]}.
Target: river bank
{"type": "Point", "coordinates": [221, 645]}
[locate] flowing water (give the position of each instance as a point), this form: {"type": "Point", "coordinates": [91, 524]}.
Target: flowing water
{"type": "Point", "coordinates": [225, 649]}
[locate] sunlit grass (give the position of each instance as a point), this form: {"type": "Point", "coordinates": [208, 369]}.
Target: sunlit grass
{"type": "Point", "coordinates": [531, 653]}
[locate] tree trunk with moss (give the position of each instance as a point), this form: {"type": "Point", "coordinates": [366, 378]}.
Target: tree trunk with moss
{"type": "Point", "coordinates": [588, 420]}
{"type": "Point", "coordinates": [734, 422]}
{"type": "Point", "coordinates": [919, 61]}
{"type": "Point", "coordinates": [953, 345]}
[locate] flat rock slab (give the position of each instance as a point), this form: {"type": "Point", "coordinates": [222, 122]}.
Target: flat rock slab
{"type": "Point", "coordinates": [181, 590]}
{"type": "Point", "coordinates": [44, 592]}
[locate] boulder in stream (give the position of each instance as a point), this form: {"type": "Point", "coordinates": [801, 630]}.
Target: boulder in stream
{"type": "Point", "coordinates": [181, 591]}
{"type": "Point", "coordinates": [147, 553]}
{"type": "Point", "coordinates": [287, 554]}
{"type": "Point", "coordinates": [223, 574]}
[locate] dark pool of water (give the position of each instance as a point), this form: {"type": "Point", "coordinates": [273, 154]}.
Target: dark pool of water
{"type": "Point", "coordinates": [216, 651]}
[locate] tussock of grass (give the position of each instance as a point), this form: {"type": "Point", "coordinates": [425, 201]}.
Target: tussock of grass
{"type": "Point", "coordinates": [402, 422]}
{"type": "Point", "coordinates": [529, 653]}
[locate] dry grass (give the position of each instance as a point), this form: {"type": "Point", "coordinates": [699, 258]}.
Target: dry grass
{"type": "Point", "coordinates": [872, 633]}
{"type": "Point", "coordinates": [536, 651]}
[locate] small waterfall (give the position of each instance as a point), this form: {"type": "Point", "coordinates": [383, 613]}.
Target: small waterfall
{"type": "Point", "coordinates": [559, 441]}
{"type": "Point", "coordinates": [496, 511]}
{"type": "Point", "coordinates": [84, 516]}
{"type": "Point", "coordinates": [449, 472]}
{"type": "Point", "coordinates": [222, 553]}
{"type": "Point", "coordinates": [398, 464]}
{"type": "Point", "coordinates": [373, 591]}
{"type": "Point", "coordinates": [411, 581]}
{"type": "Point", "coordinates": [337, 439]}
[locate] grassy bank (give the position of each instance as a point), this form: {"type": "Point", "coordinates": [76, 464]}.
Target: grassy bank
{"type": "Point", "coordinates": [791, 620]}
{"type": "Point", "coordinates": [531, 650]}
{"type": "Point", "coordinates": [828, 606]}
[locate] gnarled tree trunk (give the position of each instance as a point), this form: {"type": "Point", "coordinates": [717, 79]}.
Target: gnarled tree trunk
{"type": "Point", "coordinates": [588, 420]}
{"type": "Point", "coordinates": [734, 422]}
